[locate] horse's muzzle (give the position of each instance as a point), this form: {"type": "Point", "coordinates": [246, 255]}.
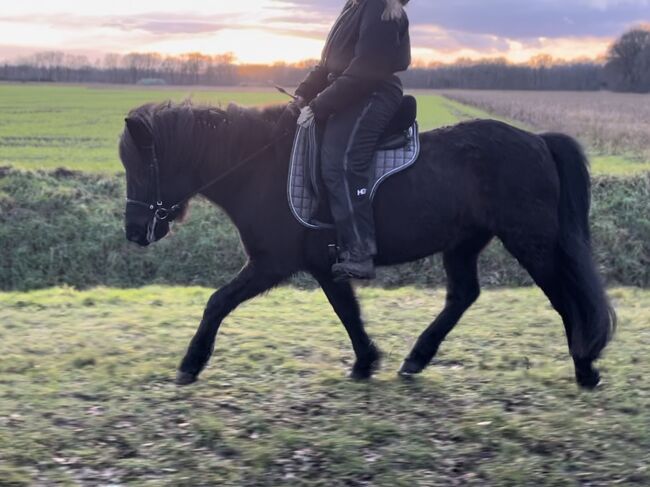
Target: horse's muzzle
{"type": "Point", "coordinates": [137, 235]}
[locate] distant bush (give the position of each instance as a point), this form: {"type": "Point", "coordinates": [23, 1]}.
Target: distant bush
{"type": "Point", "coordinates": [151, 82]}
{"type": "Point", "coordinates": [66, 228]}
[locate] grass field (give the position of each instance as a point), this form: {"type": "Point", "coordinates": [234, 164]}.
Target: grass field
{"type": "Point", "coordinates": [45, 127]}
{"type": "Point", "coordinates": [77, 127]}
{"type": "Point", "coordinates": [86, 394]}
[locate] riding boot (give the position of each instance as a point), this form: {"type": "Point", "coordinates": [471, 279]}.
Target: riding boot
{"type": "Point", "coordinates": [356, 262]}
{"type": "Point", "coordinates": [356, 236]}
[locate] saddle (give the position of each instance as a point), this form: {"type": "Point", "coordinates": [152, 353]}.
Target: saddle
{"type": "Point", "coordinates": [398, 149]}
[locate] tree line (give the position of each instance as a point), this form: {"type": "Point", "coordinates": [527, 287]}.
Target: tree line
{"type": "Point", "coordinates": [626, 68]}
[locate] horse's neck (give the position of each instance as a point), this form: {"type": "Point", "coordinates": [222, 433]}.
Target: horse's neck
{"type": "Point", "coordinates": [257, 176]}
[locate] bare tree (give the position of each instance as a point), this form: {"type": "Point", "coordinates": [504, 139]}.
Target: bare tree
{"type": "Point", "coordinates": [628, 66]}
{"type": "Point", "coordinates": [49, 59]}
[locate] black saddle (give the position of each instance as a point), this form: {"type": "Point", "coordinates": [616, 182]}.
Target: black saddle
{"type": "Point", "coordinates": [398, 149]}
{"type": "Point", "coordinates": [396, 134]}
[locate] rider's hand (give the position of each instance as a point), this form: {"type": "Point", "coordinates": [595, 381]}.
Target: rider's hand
{"type": "Point", "coordinates": [306, 118]}
{"type": "Point", "coordinates": [295, 106]}
{"type": "Point", "coordinates": [287, 122]}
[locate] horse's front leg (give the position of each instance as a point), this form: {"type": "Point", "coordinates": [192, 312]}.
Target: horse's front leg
{"type": "Point", "coordinates": [342, 298]}
{"type": "Point", "coordinates": [250, 282]}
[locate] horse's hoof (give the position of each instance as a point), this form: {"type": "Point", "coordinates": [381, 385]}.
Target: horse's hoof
{"type": "Point", "coordinates": [589, 380]}
{"type": "Point", "coordinates": [368, 367]}
{"type": "Point", "coordinates": [365, 372]}
{"type": "Point", "coordinates": [185, 379]}
{"type": "Point", "coordinates": [360, 374]}
{"type": "Point", "coordinates": [410, 368]}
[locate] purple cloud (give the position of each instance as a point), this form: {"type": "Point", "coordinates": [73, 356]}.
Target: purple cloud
{"type": "Point", "coordinates": [517, 19]}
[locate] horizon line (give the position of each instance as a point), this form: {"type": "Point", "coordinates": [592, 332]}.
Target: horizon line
{"type": "Point", "coordinates": [97, 59]}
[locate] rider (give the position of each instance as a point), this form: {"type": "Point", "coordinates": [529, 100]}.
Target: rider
{"type": "Point", "coordinates": [355, 90]}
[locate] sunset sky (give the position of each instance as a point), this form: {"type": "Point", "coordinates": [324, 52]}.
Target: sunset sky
{"type": "Point", "coordinates": [284, 30]}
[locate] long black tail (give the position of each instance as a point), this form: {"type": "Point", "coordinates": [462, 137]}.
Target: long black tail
{"type": "Point", "coordinates": [592, 318]}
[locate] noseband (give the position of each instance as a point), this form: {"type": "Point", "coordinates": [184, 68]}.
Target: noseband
{"type": "Point", "coordinates": [159, 212]}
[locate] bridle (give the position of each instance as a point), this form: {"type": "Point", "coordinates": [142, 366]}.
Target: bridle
{"type": "Point", "coordinates": [161, 213]}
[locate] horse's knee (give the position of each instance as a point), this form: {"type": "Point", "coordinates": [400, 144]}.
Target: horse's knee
{"type": "Point", "coordinates": [465, 296]}
{"type": "Point", "coordinates": [472, 294]}
{"type": "Point", "coordinates": [214, 303]}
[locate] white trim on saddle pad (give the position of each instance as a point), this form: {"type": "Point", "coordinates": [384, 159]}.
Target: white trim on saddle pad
{"type": "Point", "coordinates": [303, 200]}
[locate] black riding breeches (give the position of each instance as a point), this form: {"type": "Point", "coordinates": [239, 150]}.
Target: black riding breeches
{"type": "Point", "coordinates": [348, 148]}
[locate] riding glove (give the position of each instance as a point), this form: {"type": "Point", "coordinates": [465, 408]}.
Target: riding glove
{"type": "Point", "coordinates": [306, 118]}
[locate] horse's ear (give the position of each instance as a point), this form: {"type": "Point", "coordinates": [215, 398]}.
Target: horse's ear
{"type": "Point", "coordinates": [139, 130]}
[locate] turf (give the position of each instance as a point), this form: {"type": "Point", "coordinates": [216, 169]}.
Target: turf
{"type": "Point", "coordinates": [77, 127]}
{"type": "Point", "coordinates": [86, 396]}
{"type": "Point", "coordinates": [619, 165]}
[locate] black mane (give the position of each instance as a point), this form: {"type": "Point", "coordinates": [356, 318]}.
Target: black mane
{"type": "Point", "coordinates": [187, 135]}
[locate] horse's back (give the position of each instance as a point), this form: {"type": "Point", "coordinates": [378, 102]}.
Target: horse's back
{"type": "Point", "coordinates": [474, 176]}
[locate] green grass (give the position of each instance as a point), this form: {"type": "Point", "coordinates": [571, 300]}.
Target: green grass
{"type": "Point", "coordinates": [77, 127]}
{"type": "Point", "coordinates": [86, 394]}
{"type": "Point", "coordinates": [436, 111]}
{"type": "Point", "coordinates": [618, 165]}
{"type": "Point", "coordinates": [46, 126]}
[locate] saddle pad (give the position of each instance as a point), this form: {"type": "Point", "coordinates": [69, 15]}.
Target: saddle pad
{"type": "Point", "coordinates": [302, 187]}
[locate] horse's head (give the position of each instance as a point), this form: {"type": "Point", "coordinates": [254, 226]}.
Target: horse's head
{"type": "Point", "coordinates": [173, 151]}
{"type": "Point", "coordinates": [154, 181]}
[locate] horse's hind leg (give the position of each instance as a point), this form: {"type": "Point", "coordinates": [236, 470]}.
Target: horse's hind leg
{"type": "Point", "coordinates": [342, 298]}
{"type": "Point", "coordinates": [462, 291]}
{"type": "Point", "coordinates": [553, 273]}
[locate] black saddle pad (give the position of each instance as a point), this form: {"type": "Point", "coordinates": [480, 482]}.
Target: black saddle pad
{"type": "Point", "coordinates": [303, 187]}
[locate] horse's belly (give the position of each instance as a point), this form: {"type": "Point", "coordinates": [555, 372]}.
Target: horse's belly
{"type": "Point", "coordinates": [415, 217]}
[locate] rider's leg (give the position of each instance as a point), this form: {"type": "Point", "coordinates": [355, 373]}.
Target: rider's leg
{"type": "Point", "coordinates": [349, 144]}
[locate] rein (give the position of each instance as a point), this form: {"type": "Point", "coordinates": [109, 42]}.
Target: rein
{"type": "Point", "coordinates": [161, 213]}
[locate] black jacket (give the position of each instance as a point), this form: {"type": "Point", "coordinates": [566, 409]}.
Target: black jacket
{"type": "Point", "coordinates": [361, 52]}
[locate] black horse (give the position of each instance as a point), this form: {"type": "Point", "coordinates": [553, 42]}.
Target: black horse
{"type": "Point", "coordinates": [472, 182]}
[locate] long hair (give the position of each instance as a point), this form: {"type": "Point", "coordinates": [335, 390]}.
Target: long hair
{"type": "Point", "coordinates": [394, 9]}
